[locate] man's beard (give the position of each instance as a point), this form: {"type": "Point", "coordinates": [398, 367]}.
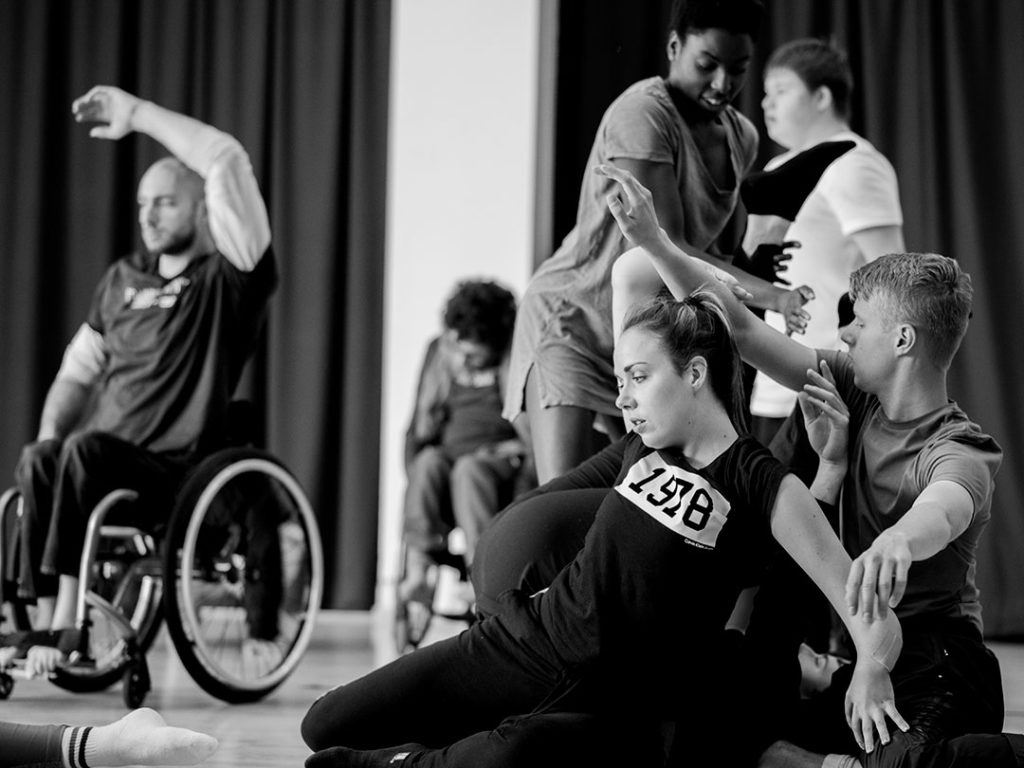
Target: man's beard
{"type": "Point", "coordinates": [177, 245]}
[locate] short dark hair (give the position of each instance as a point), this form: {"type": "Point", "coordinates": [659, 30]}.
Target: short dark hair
{"type": "Point", "coordinates": [741, 17]}
{"type": "Point", "coordinates": [818, 63]}
{"type": "Point", "coordinates": [481, 311]}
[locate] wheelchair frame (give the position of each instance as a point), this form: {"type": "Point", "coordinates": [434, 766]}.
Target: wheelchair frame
{"type": "Point", "coordinates": [135, 632]}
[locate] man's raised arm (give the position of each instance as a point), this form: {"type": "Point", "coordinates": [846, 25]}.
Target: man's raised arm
{"type": "Point", "coordinates": [236, 213]}
{"type": "Point", "coordinates": [780, 357]}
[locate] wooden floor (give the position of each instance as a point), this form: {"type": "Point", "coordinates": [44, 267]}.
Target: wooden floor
{"type": "Point", "coordinates": [265, 734]}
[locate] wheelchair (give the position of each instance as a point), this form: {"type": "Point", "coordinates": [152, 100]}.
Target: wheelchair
{"type": "Point", "coordinates": [449, 559]}
{"type": "Point", "coordinates": [238, 577]}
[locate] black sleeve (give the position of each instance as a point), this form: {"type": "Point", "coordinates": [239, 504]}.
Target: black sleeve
{"type": "Point", "coordinates": [760, 475]}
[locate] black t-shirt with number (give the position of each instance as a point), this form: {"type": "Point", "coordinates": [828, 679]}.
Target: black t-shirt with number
{"type": "Point", "coordinates": [645, 600]}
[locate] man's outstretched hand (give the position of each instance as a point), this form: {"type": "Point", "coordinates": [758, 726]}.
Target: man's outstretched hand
{"type": "Point", "coordinates": [109, 105]}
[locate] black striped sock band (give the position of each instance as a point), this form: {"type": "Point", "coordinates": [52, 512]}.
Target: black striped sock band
{"type": "Point", "coordinates": [76, 747]}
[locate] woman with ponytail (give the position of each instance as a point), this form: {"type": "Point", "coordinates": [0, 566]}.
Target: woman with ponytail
{"type": "Point", "coordinates": [619, 660]}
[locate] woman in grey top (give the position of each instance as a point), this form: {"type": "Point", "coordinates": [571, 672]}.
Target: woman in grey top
{"type": "Point", "coordinates": [682, 139]}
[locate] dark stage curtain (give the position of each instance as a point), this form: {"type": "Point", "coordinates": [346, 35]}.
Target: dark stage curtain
{"type": "Point", "coordinates": [303, 85]}
{"type": "Point", "coordinates": [938, 91]}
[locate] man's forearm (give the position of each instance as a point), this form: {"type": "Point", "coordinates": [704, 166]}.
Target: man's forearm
{"type": "Point", "coordinates": [64, 407]}
{"type": "Point", "coordinates": [237, 215]}
{"type": "Point", "coordinates": [186, 138]}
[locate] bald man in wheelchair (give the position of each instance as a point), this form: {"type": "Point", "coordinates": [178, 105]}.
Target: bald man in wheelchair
{"type": "Point", "coordinates": [144, 386]}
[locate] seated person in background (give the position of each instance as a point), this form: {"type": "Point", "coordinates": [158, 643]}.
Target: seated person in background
{"type": "Point", "coordinates": [463, 460]}
{"type": "Point", "coordinates": [141, 737]}
{"type": "Point", "coordinates": [916, 497]}
{"type": "Point", "coordinates": [144, 386]}
{"type": "Point", "coordinates": [851, 216]}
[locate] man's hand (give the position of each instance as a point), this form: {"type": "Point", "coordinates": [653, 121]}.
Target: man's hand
{"type": "Point", "coordinates": [825, 415]}
{"type": "Point", "coordinates": [106, 104]}
{"type": "Point", "coordinates": [790, 306]}
{"type": "Point", "coordinates": [869, 700]}
{"type": "Point", "coordinates": [878, 578]}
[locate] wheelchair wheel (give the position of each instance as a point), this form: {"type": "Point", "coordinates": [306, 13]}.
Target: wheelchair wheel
{"type": "Point", "coordinates": [244, 551]}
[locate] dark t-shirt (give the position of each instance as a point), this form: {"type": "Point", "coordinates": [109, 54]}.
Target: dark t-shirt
{"type": "Point", "coordinates": [668, 553]}
{"type": "Point", "coordinates": [175, 347]}
{"type": "Point", "coordinates": [474, 417]}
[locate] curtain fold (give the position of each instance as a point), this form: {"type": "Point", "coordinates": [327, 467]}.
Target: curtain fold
{"type": "Point", "coordinates": [303, 85]}
{"type": "Point", "coordinates": [938, 86]}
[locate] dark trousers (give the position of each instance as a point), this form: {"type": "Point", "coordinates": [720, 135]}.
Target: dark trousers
{"type": "Point", "coordinates": [527, 545]}
{"type": "Point", "coordinates": [30, 746]}
{"type": "Point", "coordinates": [442, 493]}
{"type": "Point", "coordinates": [61, 482]}
{"type": "Point", "coordinates": [488, 697]}
{"type": "Point", "coordinates": [947, 684]}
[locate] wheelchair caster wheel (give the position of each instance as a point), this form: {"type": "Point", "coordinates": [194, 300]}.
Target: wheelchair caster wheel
{"type": "Point", "coordinates": [6, 685]}
{"type": "Point", "coordinates": [136, 684]}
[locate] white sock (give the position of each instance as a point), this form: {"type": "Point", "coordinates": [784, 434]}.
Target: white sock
{"type": "Point", "coordinates": [74, 746]}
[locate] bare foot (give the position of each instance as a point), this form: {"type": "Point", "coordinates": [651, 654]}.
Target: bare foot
{"type": "Point", "coordinates": [142, 737]}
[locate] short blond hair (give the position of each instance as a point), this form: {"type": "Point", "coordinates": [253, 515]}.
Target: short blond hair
{"type": "Point", "coordinates": [927, 290]}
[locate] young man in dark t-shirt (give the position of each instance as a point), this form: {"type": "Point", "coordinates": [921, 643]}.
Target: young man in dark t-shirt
{"type": "Point", "coordinates": [917, 490]}
{"type": "Point", "coordinates": [145, 383]}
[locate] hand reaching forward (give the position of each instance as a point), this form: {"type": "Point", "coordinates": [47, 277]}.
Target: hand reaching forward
{"type": "Point", "coordinates": [878, 578]}
{"type": "Point", "coordinates": [791, 307]}
{"type": "Point", "coordinates": [869, 700]}
{"type": "Point", "coordinates": [825, 415]}
{"type": "Point", "coordinates": [106, 104]}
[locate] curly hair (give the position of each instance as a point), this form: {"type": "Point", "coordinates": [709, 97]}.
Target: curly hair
{"type": "Point", "coordinates": [481, 311]}
{"type": "Point", "coordinates": [741, 17]}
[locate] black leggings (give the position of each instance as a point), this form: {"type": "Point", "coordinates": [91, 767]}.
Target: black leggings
{"type": "Point", "coordinates": [483, 698]}
{"type": "Point", "coordinates": [30, 746]}
{"type": "Point", "coordinates": [527, 545]}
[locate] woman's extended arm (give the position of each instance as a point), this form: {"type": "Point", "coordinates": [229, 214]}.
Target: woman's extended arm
{"type": "Point", "coordinates": [782, 358]}
{"type": "Point", "coordinates": [801, 529]}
